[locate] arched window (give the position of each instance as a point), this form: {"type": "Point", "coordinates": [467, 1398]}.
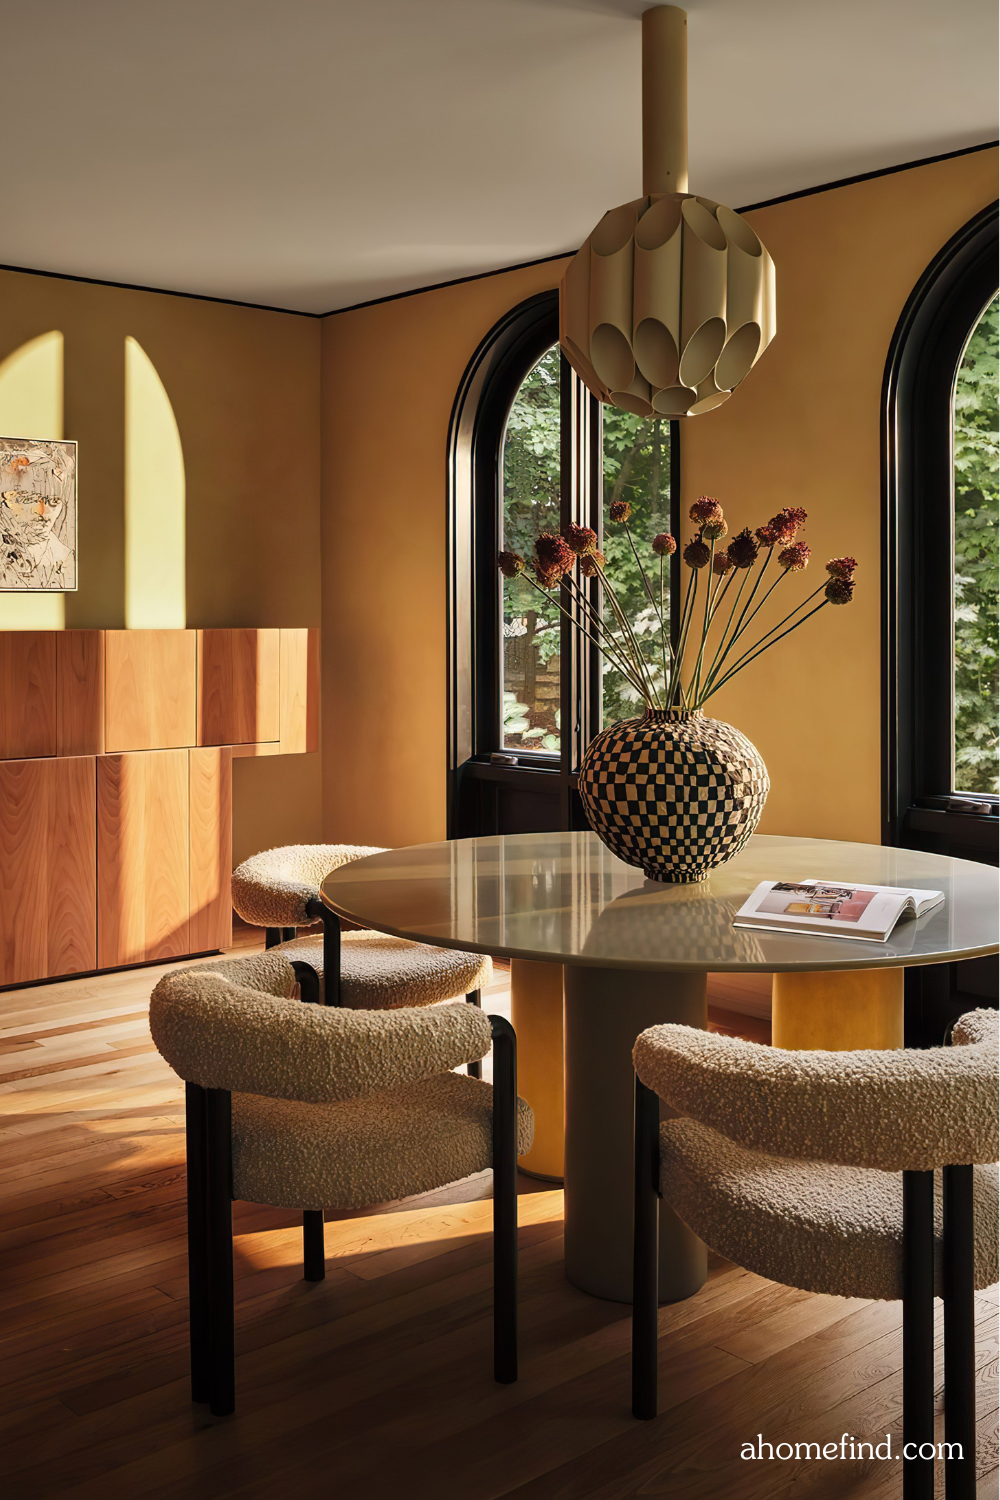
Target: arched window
{"type": "Point", "coordinates": [531, 450]}
{"type": "Point", "coordinates": [940, 648]}
{"type": "Point", "coordinates": [941, 555]}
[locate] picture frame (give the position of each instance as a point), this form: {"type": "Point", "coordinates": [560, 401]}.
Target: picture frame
{"type": "Point", "coordinates": [38, 515]}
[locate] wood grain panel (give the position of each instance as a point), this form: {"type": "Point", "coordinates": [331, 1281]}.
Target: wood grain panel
{"type": "Point", "coordinates": [237, 686]}
{"type": "Point", "coordinates": [48, 910]}
{"type": "Point", "coordinates": [27, 693]}
{"type": "Point", "coordinates": [80, 692]}
{"type": "Point", "coordinates": [142, 857]}
{"type": "Point", "coordinates": [150, 691]}
{"type": "Point", "coordinates": [299, 718]}
{"type": "Point", "coordinates": [211, 849]}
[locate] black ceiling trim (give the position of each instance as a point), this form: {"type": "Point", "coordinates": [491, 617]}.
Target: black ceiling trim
{"type": "Point", "coordinates": [161, 291]}
{"type": "Point", "coordinates": [437, 286]}
{"type": "Point", "coordinates": [904, 166]}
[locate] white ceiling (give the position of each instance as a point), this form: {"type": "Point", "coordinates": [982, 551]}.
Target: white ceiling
{"type": "Point", "coordinates": [312, 154]}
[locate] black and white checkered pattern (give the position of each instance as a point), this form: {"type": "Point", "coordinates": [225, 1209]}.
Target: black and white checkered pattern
{"type": "Point", "coordinates": [674, 794]}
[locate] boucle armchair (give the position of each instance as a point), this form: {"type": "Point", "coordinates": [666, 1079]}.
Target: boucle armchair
{"type": "Point", "coordinates": [817, 1169]}
{"type": "Point", "coordinates": [309, 1107]}
{"type": "Point", "coordinates": [279, 890]}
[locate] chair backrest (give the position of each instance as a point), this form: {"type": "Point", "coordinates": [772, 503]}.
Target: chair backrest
{"type": "Point", "coordinates": [273, 889]}
{"type": "Point", "coordinates": [895, 1110]}
{"type": "Point", "coordinates": [233, 1025]}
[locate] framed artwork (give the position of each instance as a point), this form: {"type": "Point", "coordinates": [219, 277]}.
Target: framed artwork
{"type": "Point", "coordinates": [37, 515]}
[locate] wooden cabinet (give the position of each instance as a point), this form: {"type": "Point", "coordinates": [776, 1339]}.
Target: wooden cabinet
{"type": "Point", "coordinates": [116, 752]}
{"type": "Point", "coordinates": [27, 693]}
{"type": "Point", "coordinates": [150, 689]}
{"type": "Point", "coordinates": [48, 871]}
{"type": "Point", "coordinates": [238, 687]}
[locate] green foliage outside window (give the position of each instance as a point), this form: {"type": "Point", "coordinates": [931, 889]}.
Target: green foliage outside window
{"type": "Point", "coordinates": [637, 469]}
{"type": "Point", "coordinates": [977, 705]}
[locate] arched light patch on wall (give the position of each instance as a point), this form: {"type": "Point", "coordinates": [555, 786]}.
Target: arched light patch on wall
{"type": "Point", "coordinates": [31, 406]}
{"type": "Point", "coordinates": [155, 572]}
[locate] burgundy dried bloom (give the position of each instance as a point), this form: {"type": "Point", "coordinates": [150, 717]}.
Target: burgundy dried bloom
{"type": "Point", "coordinates": [548, 578]}
{"type": "Point", "coordinates": [552, 552]}
{"type": "Point", "coordinates": [715, 529]}
{"type": "Point", "coordinates": [664, 545]}
{"type": "Point", "coordinates": [705, 508]}
{"type": "Point", "coordinates": [842, 567]}
{"type": "Point", "coordinates": [580, 539]}
{"type": "Point", "coordinates": [620, 510]}
{"type": "Point", "coordinates": [591, 562]}
{"type": "Point", "coordinates": [510, 564]}
{"type": "Point", "coordinates": [722, 563]}
{"type": "Point", "coordinates": [743, 549]}
{"type": "Point", "coordinates": [795, 557]}
{"type": "Point", "coordinates": [839, 590]}
{"type": "Point", "coordinates": [787, 522]}
{"type": "Point", "coordinates": [696, 554]}
{"type": "Point", "coordinates": [767, 535]}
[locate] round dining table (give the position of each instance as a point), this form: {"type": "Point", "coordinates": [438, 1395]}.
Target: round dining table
{"type": "Point", "coordinates": [636, 953]}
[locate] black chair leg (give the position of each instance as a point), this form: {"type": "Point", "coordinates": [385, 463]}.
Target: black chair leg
{"type": "Point", "coordinates": [958, 1288]}
{"type": "Point", "coordinates": [288, 934]}
{"type": "Point", "coordinates": [504, 1201]}
{"type": "Point", "coordinates": [646, 1252]}
{"type": "Point", "coordinates": [918, 1334]}
{"type": "Point", "coordinates": [313, 1245]}
{"type": "Point", "coordinates": [221, 1318]}
{"type": "Point", "coordinates": [308, 982]}
{"type": "Point", "coordinates": [475, 1069]}
{"type": "Point", "coordinates": [331, 957]}
{"type": "Point", "coordinates": [197, 1228]}
{"type": "Point", "coordinates": [272, 937]}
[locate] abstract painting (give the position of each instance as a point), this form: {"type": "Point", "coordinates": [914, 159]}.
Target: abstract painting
{"type": "Point", "coordinates": [37, 515]}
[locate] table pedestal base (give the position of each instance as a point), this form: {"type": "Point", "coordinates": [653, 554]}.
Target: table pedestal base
{"type": "Point", "coordinates": [605, 1010]}
{"type": "Point", "coordinates": [536, 1013]}
{"type": "Point", "coordinates": [836, 1012]}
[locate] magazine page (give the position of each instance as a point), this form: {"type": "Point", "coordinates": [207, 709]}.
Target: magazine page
{"type": "Point", "coordinates": [819, 904]}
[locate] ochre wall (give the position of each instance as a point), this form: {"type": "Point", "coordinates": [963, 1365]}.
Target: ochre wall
{"type": "Point", "coordinates": [803, 429]}
{"type": "Point", "coordinates": [390, 374]}
{"type": "Point", "coordinates": [244, 386]}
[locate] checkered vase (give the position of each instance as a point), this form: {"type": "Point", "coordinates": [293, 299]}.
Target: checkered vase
{"type": "Point", "coordinates": [675, 794]}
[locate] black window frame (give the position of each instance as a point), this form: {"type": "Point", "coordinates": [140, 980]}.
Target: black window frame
{"type": "Point", "coordinates": [479, 416]}
{"type": "Point", "coordinates": [921, 810]}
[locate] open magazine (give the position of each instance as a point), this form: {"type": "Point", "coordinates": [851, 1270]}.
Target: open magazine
{"type": "Point", "coordinates": [868, 912]}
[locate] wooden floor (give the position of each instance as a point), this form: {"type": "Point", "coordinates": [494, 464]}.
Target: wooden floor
{"type": "Point", "coordinates": [374, 1383]}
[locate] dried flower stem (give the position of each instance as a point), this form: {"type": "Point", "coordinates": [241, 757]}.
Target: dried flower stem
{"type": "Point", "coordinates": [746, 662]}
{"type": "Point", "coordinates": [676, 686]}
{"type": "Point", "coordinates": [617, 650]}
{"type": "Point", "coordinates": [753, 650]}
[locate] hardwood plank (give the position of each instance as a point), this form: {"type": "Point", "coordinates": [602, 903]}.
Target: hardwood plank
{"type": "Point", "coordinates": [27, 694]}
{"type": "Point", "coordinates": [48, 907]}
{"type": "Point", "coordinates": [142, 857]}
{"type": "Point", "coordinates": [80, 661]}
{"type": "Point", "coordinates": [211, 849]}
{"type": "Point", "coordinates": [237, 686]}
{"type": "Point", "coordinates": [150, 689]}
{"type": "Point", "coordinates": [299, 675]}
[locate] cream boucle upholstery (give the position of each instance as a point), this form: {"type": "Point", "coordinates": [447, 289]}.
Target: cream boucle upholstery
{"type": "Point", "coordinates": [894, 1110]}
{"type": "Point", "coordinates": [366, 1150]}
{"type": "Point", "coordinates": [273, 889]}
{"type": "Point", "coordinates": [225, 1035]}
{"type": "Point", "coordinates": [823, 1228]}
{"type": "Point", "coordinates": [378, 972]}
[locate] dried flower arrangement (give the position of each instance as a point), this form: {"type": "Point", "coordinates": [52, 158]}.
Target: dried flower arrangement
{"type": "Point", "coordinates": [660, 684]}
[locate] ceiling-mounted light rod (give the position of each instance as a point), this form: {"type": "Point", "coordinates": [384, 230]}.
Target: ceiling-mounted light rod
{"type": "Point", "coordinates": [664, 101]}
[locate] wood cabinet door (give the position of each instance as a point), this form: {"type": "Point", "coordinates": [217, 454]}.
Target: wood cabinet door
{"type": "Point", "coordinates": [143, 861]}
{"type": "Point", "coordinates": [150, 689]}
{"type": "Point", "coordinates": [27, 693]}
{"type": "Point", "coordinates": [211, 801]}
{"type": "Point", "coordinates": [48, 896]}
{"type": "Point", "coordinates": [237, 687]}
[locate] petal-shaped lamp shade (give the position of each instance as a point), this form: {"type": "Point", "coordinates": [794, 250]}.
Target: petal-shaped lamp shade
{"type": "Point", "coordinates": [667, 306]}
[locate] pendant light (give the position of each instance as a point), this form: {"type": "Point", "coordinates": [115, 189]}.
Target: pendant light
{"type": "Point", "coordinates": [670, 302]}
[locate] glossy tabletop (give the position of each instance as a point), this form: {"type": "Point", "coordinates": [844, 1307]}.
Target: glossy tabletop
{"type": "Point", "coordinates": [565, 898]}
